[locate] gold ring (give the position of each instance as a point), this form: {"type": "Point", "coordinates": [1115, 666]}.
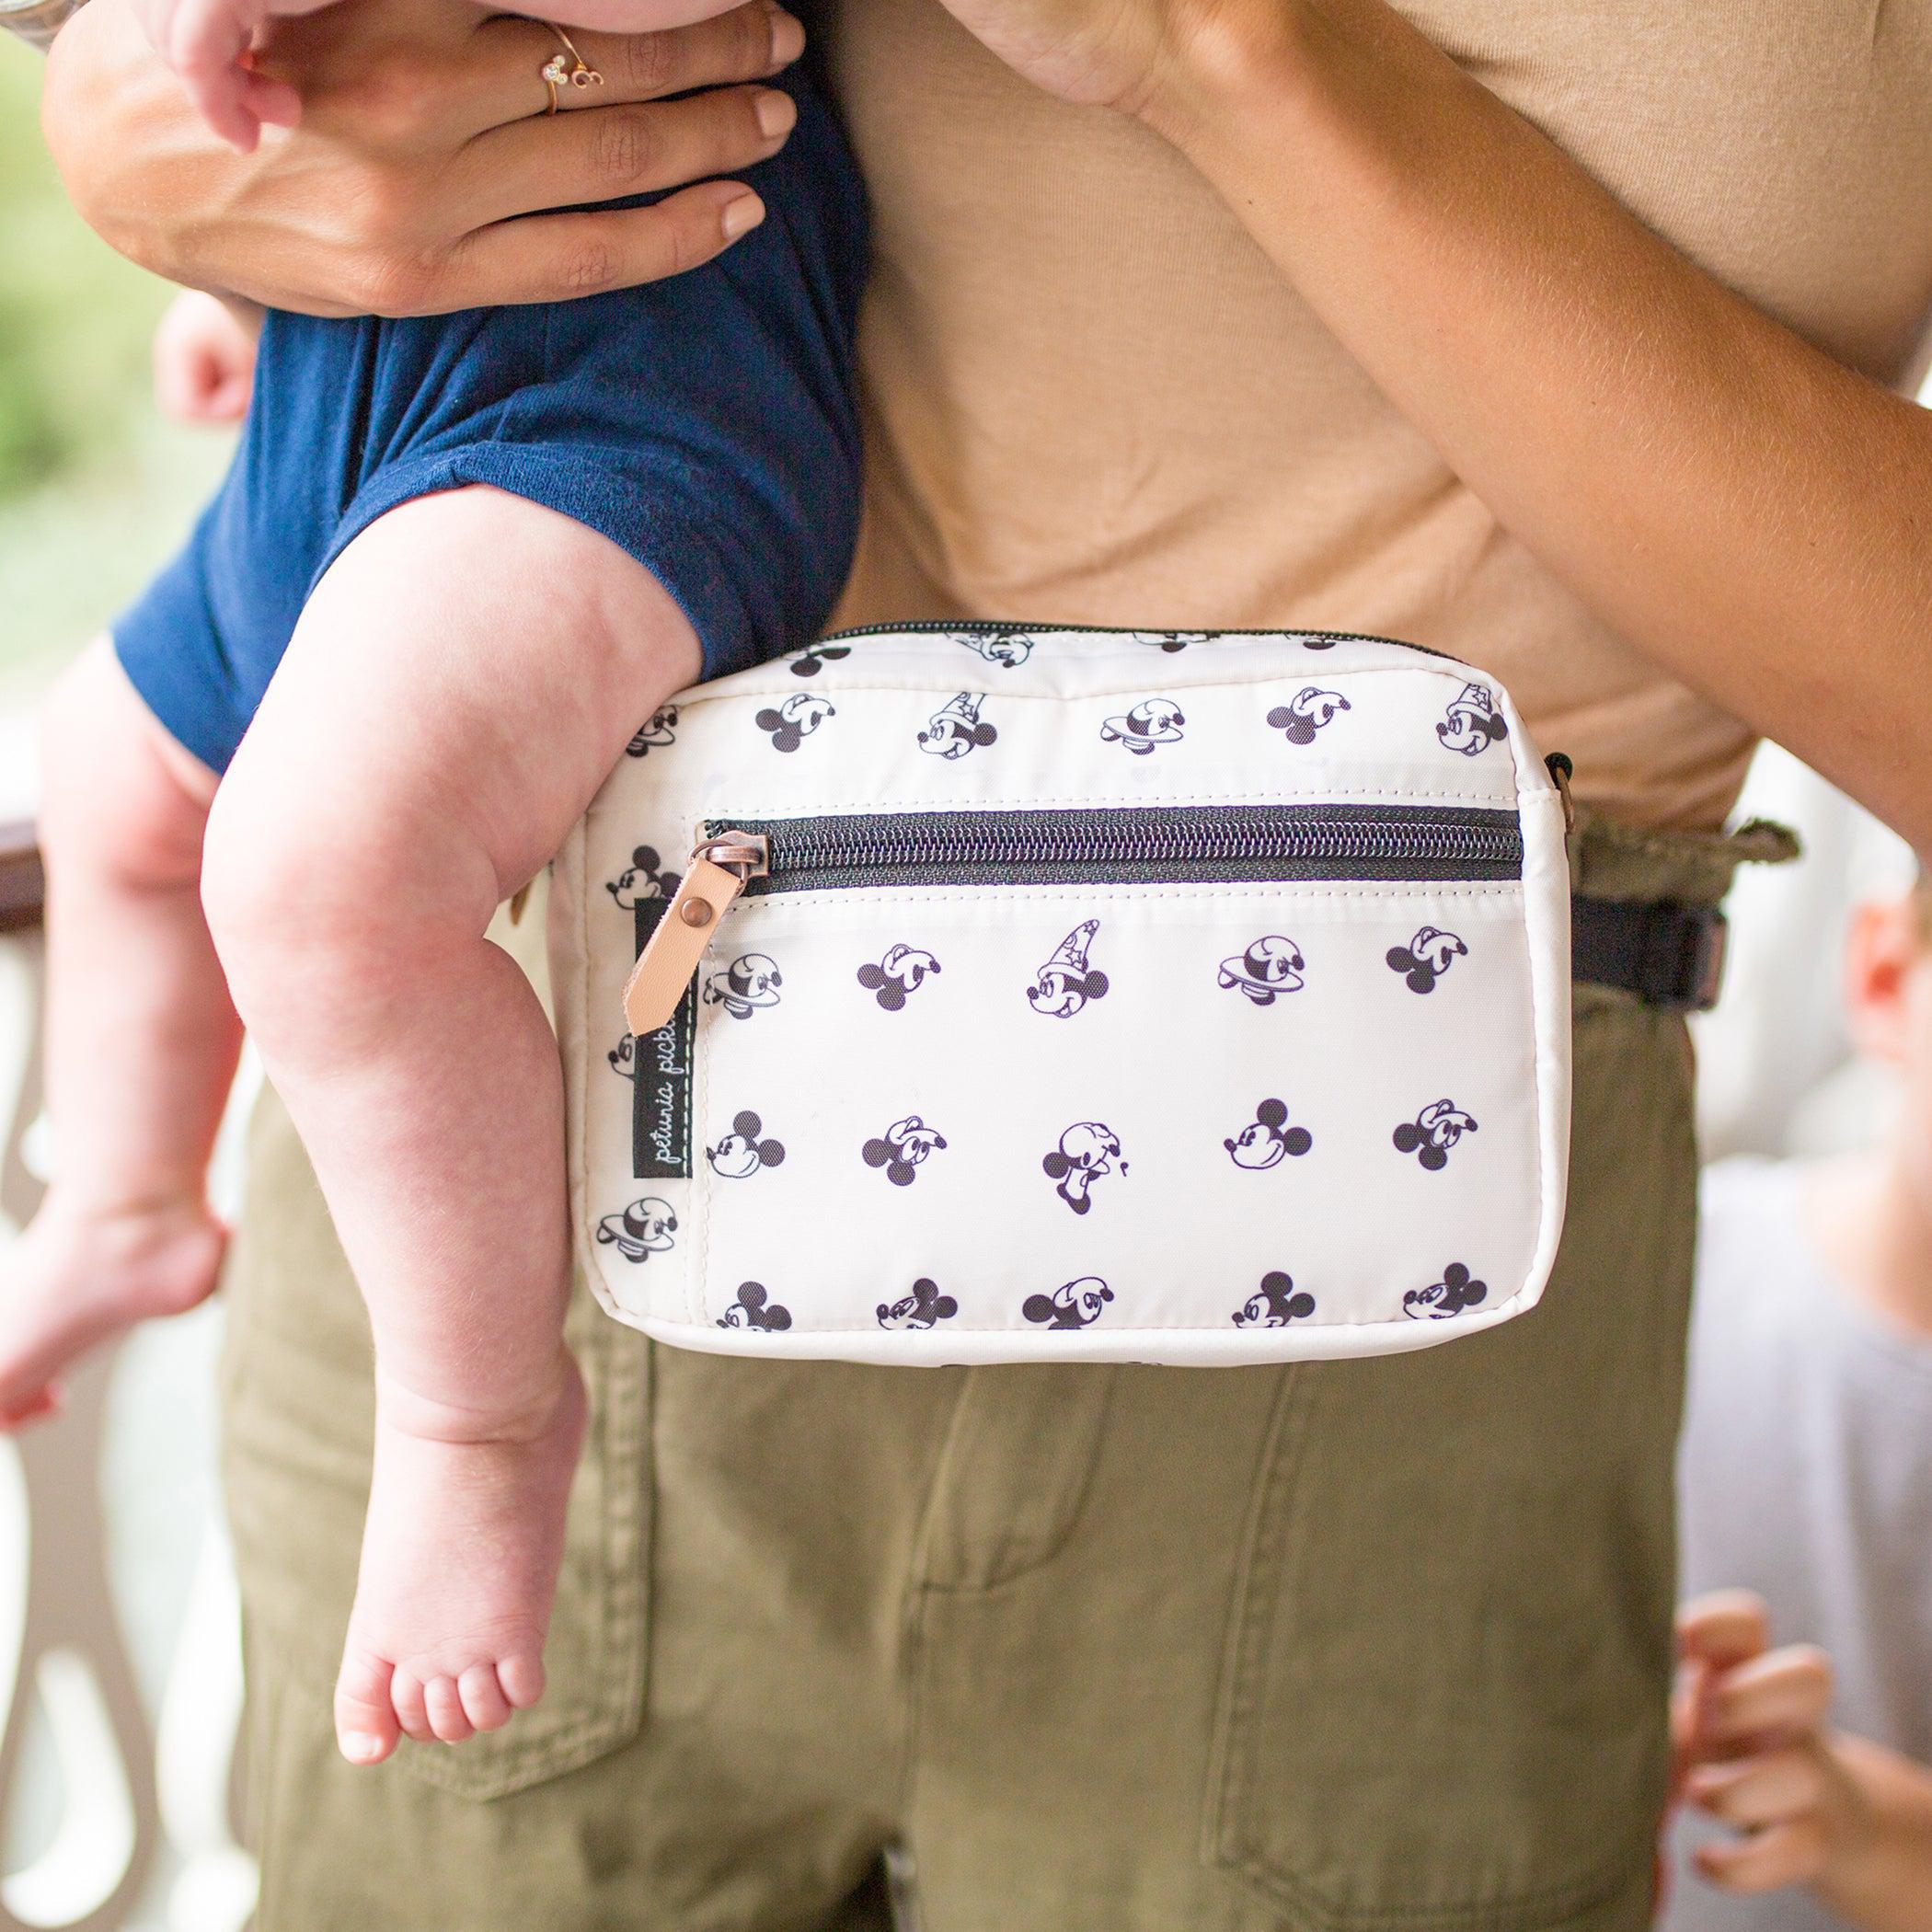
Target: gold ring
{"type": "Point", "coordinates": [570, 67]}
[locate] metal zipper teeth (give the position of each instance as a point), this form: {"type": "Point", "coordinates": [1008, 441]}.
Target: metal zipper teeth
{"type": "Point", "coordinates": [989, 626]}
{"type": "Point", "coordinates": [1135, 845]}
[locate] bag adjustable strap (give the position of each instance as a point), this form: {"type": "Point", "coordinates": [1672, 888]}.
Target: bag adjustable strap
{"type": "Point", "coordinates": [1670, 956]}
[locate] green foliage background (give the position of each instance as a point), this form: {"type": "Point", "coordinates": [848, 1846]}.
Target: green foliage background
{"type": "Point", "coordinates": [94, 490]}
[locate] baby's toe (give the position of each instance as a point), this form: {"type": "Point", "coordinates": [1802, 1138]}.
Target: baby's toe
{"type": "Point", "coordinates": [522, 1676]}
{"type": "Point", "coordinates": [444, 1702]}
{"type": "Point", "coordinates": [483, 1700]}
{"type": "Point", "coordinates": [405, 1694]}
{"type": "Point", "coordinates": [365, 1719]}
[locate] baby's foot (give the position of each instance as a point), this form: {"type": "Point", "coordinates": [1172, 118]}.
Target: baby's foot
{"type": "Point", "coordinates": [85, 1270]}
{"type": "Point", "coordinates": [460, 1556]}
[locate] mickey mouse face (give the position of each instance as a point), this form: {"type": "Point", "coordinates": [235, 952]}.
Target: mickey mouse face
{"type": "Point", "coordinates": [643, 1229]}
{"type": "Point", "coordinates": [1271, 967]}
{"type": "Point", "coordinates": [1267, 1141]}
{"type": "Point", "coordinates": [956, 727]}
{"type": "Point", "coordinates": [1078, 1304]}
{"type": "Point", "coordinates": [1432, 1134]}
{"type": "Point", "coordinates": [807, 663]}
{"type": "Point", "coordinates": [898, 976]}
{"type": "Point", "coordinates": [1275, 1304]}
{"type": "Point", "coordinates": [1455, 1291]}
{"type": "Point", "coordinates": [1007, 649]}
{"type": "Point", "coordinates": [1064, 984]}
{"type": "Point", "coordinates": [1472, 723]}
{"type": "Point", "coordinates": [644, 878]}
{"type": "Point", "coordinates": [1426, 957]}
{"type": "Point", "coordinates": [1154, 721]}
{"type": "Point", "coordinates": [755, 1309]}
{"type": "Point", "coordinates": [623, 1058]}
{"type": "Point", "coordinates": [1087, 1151]}
{"type": "Point", "coordinates": [795, 720]}
{"type": "Point", "coordinates": [744, 1151]}
{"type": "Point", "coordinates": [1307, 712]}
{"type": "Point", "coordinates": [1171, 641]}
{"type": "Point", "coordinates": [903, 1149]}
{"type": "Point", "coordinates": [920, 1309]}
{"type": "Point", "coordinates": [749, 983]}
{"type": "Point", "coordinates": [660, 731]}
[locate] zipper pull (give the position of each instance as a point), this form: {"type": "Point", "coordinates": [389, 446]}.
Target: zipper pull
{"type": "Point", "coordinates": [720, 868]}
{"type": "Point", "coordinates": [1559, 768]}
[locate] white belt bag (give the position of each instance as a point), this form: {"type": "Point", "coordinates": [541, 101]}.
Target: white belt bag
{"type": "Point", "coordinates": [1162, 997]}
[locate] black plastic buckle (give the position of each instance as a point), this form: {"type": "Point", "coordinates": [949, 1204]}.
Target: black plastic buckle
{"type": "Point", "coordinates": [1671, 956]}
{"type": "Point", "coordinates": [1682, 966]}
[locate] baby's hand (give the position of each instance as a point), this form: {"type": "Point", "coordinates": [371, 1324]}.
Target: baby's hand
{"type": "Point", "coordinates": [1755, 1750]}
{"type": "Point", "coordinates": [209, 43]}
{"type": "Point", "coordinates": [204, 359]}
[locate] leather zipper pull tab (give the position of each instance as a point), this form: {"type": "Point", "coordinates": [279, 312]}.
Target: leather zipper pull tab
{"type": "Point", "coordinates": [720, 868]}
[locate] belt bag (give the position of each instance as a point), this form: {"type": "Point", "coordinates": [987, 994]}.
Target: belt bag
{"type": "Point", "coordinates": [1164, 997]}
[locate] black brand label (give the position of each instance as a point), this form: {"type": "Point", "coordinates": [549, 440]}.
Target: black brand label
{"type": "Point", "coordinates": [660, 1117]}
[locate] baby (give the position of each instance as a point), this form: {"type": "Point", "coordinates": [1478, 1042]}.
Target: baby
{"type": "Point", "coordinates": [455, 564]}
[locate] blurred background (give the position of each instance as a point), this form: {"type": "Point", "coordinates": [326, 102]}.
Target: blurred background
{"type": "Point", "coordinates": [95, 489]}
{"type": "Point", "coordinates": [116, 1678]}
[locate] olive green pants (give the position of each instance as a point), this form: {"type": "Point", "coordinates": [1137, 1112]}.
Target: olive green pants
{"type": "Point", "coordinates": [1376, 1644]}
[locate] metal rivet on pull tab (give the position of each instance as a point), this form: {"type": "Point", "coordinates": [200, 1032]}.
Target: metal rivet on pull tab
{"type": "Point", "coordinates": [720, 870]}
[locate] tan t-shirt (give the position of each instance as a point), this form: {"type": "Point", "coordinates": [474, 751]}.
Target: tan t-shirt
{"type": "Point", "coordinates": [1091, 397]}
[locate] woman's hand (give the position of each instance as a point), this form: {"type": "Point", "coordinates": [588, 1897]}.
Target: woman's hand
{"type": "Point", "coordinates": [1148, 58]}
{"type": "Point", "coordinates": [422, 136]}
{"type": "Point", "coordinates": [1718, 492]}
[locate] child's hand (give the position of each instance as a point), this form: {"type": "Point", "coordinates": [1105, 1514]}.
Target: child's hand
{"type": "Point", "coordinates": [204, 359]}
{"type": "Point", "coordinates": [210, 44]}
{"type": "Point", "coordinates": [1753, 1750]}
{"type": "Point", "coordinates": [1844, 1816]}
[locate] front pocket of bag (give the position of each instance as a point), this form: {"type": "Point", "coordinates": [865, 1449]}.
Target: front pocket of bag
{"type": "Point", "coordinates": [1052, 1113]}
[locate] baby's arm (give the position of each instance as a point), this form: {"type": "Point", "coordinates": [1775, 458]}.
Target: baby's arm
{"type": "Point", "coordinates": [1842, 1816]}
{"type": "Point", "coordinates": [204, 357]}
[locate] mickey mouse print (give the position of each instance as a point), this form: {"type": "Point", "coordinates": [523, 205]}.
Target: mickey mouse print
{"type": "Point", "coordinates": [1173, 998]}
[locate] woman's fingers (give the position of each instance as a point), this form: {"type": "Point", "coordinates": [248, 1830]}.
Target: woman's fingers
{"type": "Point", "coordinates": [1785, 1694]}
{"type": "Point", "coordinates": [750, 43]}
{"type": "Point", "coordinates": [550, 257]}
{"type": "Point", "coordinates": [565, 161]}
{"type": "Point", "coordinates": [393, 195]}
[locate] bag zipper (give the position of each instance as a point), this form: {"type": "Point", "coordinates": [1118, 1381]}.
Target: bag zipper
{"type": "Point", "coordinates": [991, 626]}
{"type": "Point", "coordinates": [1152, 845]}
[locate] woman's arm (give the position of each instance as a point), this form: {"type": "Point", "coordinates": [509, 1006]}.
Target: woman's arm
{"type": "Point", "coordinates": [423, 138]}
{"type": "Point", "coordinates": [1752, 516]}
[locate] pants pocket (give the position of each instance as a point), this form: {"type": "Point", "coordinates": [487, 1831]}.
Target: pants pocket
{"type": "Point", "coordinates": [298, 1412]}
{"type": "Point", "coordinates": [1443, 1695]}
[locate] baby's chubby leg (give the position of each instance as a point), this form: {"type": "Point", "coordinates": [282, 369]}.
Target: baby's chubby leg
{"type": "Point", "coordinates": [141, 1040]}
{"type": "Point", "coordinates": [462, 681]}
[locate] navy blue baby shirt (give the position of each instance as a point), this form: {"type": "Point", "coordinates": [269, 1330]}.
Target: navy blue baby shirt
{"type": "Point", "coordinates": [706, 423]}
